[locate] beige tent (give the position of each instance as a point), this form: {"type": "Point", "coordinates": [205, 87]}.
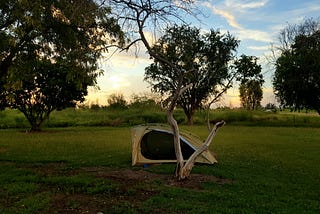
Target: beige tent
{"type": "Point", "coordinates": [154, 144]}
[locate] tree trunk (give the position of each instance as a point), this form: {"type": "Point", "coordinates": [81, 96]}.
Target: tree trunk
{"type": "Point", "coordinates": [175, 129]}
{"type": "Point", "coordinates": [190, 119]}
{"type": "Point", "coordinates": [177, 147]}
{"type": "Point", "coordinates": [183, 169]}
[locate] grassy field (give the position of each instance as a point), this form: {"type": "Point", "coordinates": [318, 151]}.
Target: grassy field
{"type": "Point", "coordinates": [88, 170]}
{"type": "Point", "coordinates": [128, 117]}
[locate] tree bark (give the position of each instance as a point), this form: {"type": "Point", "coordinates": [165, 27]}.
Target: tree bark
{"type": "Point", "coordinates": [174, 126]}
{"type": "Point", "coordinates": [183, 169]}
{"type": "Point", "coordinates": [190, 162]}
{"type": "Point", "coordinates": [190, 119]}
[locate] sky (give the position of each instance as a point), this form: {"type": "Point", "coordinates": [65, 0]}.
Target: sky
{"type": "Point", "coordinates": [256, 23]}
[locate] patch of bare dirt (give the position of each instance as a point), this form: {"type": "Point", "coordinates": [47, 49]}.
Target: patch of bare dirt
{"type": "Point", "coordinates": [76, 203]}
{"type": "Point", "coordinates": [129, 177]}
{"type": "Point", "coordinates": [195, 181]}
{"type": "Point", "coordinates": [133, 187]}
{"type": "Point", "coordinates": [139, 181]}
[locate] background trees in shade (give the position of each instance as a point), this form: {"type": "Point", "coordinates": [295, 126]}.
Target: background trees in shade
{"type": "Point", "coordinates": [296, 80]}
{"type": "Point", "coordinates": [251, 81]}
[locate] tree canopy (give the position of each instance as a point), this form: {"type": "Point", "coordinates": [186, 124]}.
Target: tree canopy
{"type": "Point", "coordinates": [202, 62]}
{"type": "Point", "coordinates": [49, 52]}
{"type": "Point", "coordinates": [251, 80]}
{"type": "Point", "coordinates": [297, 77]}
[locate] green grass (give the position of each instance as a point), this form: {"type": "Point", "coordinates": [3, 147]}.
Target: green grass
{"type": "Point", "coordinates": [273, 169]}
{"type": "Point", "coordinates": [76, 146]}
{"type": "Point", "coordinates": [133, 116]}
{"type": "Point", "coordinates": [262, 118]}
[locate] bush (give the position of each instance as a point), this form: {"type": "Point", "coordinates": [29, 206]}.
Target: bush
{"type": "Point", "coordinates": [117, 101]}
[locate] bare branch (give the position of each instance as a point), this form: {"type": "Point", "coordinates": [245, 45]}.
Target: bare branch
{"type": "Point", "coordinates": [190, 163]}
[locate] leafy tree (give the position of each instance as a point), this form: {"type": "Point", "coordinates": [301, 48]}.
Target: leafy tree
{"type": "Point", "coordinates": [202, 62]}
{"type": "Point", "coordinates": [251, 80]}
{"type": "Point", "coordinates": [297, 76]}
{"type": "Point", "coordinates": [250, 94]}
{"type": "Point", "coordinates": [37, 88]}
{"type": "Point", "coordinates": [49, 52]}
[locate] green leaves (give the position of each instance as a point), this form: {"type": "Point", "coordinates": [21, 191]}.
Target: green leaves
{"type": "Point", "coordinates": [251, 80]}
{"type": "Point", "coordinates": [297, 77]}
{"type": "Point", "coordinates": [199, 58]}
{"type": "Point", "coordinates": [49, 52]}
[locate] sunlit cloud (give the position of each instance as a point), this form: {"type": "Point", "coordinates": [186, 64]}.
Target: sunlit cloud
{"type": "Point", "coordinates": [124, 84]}
{"type": "Point", "coordinates": [230, 8]}
{"type": "Point", "coordinates": [118, 81]}
{"type": "Point", "coordinates": [225, 14]}
{"type": "Point", "coordinates": [125, 61]}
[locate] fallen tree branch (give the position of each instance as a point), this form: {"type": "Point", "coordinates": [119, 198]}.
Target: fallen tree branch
{"type": "Point", "coordinates": [190, 163]}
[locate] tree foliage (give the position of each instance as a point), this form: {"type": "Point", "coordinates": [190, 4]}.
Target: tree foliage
{"type": "Point", "coordinates": [251, 81]}
{"type": "Point", "coordinates": [49, 52]}
{"type": "Point", "coordinates": [297, 77]}
{"type": "Point", "coordinates": [251, 94]}
{"type": "Point", "coordinates": [202, 62]}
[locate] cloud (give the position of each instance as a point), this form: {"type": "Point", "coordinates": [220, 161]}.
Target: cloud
{"type": "Point", "coordinates": [256, 35]}
{"type": "Point", "coordinates": [231, 7]}
{"type": "Point", "coordinates": [307, 8]}
{"type": "Point", "coordinates": [240, 4]}
{"type": "Point", "coordinates": [125, 84]}
{"type": "Point", "coordinates": [259, 48]}
{"type": "Point", "coordinates": [228, 16]}
{"type": "Point", "coordinates": [225, 14]}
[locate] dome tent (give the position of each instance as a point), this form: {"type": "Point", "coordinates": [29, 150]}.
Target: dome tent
{"type": "Point", "coordinates": [154, 144]}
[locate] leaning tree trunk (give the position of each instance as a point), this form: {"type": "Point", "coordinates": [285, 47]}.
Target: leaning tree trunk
{"type": "Point", "coordinates": [175, 129]}
{"type": "Point", "coordinates": [183, 169]}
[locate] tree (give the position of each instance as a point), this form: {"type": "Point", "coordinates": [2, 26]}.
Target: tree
{"type": "Point", "coordinates": [296, 80]}
{"type": "Point", "coordinates": [117, 101]}
{"type": "Point", "coordinates": [251, 80]}
{"type": "Point", "coordinates": [49, 52]}
{"type": "Point", "coordinates": [138, 17]}
{"type": "Point", "coordinates": [144, 102]}
{"type": "Point", "coordinates": [38, 88]}
{"type": "Point", "coordinates": [202, 60]}
{"type": "Point", "coordinates": [250, 94]}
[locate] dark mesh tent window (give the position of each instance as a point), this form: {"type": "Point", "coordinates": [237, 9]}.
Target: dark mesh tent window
{"type": "Point", "coordinates": [158, 145]}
